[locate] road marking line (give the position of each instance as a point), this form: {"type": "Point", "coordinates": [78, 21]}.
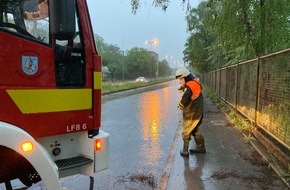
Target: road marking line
{"type": "Point", "coordinates": [166, 172]}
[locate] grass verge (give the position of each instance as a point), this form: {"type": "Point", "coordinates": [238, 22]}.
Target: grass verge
{"type": "Point", "coordinates": [245, 126]}
{"type": "Point", "coordinates": [110, 87]}
{"type": "Point", "coordinates": [242, 124]}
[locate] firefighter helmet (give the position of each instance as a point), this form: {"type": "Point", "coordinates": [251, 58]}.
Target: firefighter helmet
{"type": "Point", "coordinates": [182, 72]}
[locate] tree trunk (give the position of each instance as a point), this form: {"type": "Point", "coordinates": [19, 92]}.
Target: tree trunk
{"type": "Point", "coordinates": [262, 30]}
{"type": "Point", "coordinates": [249, 29]}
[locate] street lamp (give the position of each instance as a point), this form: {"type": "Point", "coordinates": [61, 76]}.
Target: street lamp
{"type": "Point", "coordinates": [154, 42]}
{"type": "Point", "coordinates": [178, 63]}
{"type": "Point", "coordinates": [123, 65]}
{"type": "Point", "coordinates": [168, 57]}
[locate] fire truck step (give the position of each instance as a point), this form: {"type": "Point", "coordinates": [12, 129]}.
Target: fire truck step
{"type": "Point", "coordinates": [68, 163]}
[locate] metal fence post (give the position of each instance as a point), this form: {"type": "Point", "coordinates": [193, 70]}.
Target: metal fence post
{"type": "Point", "coordinates": [226, 85]}
{"type": "Point", "coordinates": [258, 93]}
{"type": "Point", "coordinates": [237, 85]}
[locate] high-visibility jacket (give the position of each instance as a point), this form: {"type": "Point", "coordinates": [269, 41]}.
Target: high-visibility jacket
{"type": "Point", "coordinates": [195, 88]}
{"type": "Point", "coordinates": [192, 91]}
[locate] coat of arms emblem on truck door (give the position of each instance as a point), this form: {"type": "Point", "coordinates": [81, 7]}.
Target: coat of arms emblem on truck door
{"type": "Point", "coordinates": [29, 64]}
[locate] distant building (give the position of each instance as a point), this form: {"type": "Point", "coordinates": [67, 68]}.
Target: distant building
{"type": "Point", "coordinates": [106, 74]}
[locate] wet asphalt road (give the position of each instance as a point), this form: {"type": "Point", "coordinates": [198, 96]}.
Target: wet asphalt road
{"type": "Point", "coordinates": [142, 125]}
{"type": "Point", "coordinates": [145, 139]}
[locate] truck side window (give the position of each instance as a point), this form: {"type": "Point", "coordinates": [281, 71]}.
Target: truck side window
{"type": "Point", "coordinates": [27, 17]}
{"type": "Point", "coordinates": [70, 61]}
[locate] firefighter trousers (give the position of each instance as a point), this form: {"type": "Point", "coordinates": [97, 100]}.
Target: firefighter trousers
{"type": "Point", "coordinates": [191, 127]}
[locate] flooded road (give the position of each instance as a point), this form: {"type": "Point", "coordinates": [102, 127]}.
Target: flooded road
{"type": "Point", "coordinates": [141, 128]}
{"type": "Point", "coordinates": [145, 138]}
{"type": "Point", "coordinates": [142, 124]}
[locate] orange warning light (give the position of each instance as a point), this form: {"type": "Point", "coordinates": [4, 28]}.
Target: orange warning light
{"type": "Point", "coordinates": [27, 146]}
{"type": "Point", "coordinates": [98, 144]}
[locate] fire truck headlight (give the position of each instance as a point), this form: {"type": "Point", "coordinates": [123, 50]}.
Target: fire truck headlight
{"type": "Point", "coordinates": [27, 146]}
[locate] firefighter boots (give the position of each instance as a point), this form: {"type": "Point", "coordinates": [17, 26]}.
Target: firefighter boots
{"type": "Point", "coordinates": [184, 152]}
{"type": "Point", "coordinates": [199, 140]}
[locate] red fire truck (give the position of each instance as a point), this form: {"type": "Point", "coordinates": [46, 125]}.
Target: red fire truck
{"type": "Point", "coordinates": [50, 93]}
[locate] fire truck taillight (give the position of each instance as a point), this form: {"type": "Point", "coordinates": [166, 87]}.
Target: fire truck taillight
{"type": "Point", "coordinates": [27, 146]}
{"type": "Point", "coordinates": [98, 145]}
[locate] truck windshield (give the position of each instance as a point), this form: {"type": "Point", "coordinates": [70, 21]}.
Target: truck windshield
{"type": "Point", "coordinates": [25, 17]}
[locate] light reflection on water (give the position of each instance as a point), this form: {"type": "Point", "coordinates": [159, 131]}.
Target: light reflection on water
{"type": "Point", "coordinates": [152, 106]}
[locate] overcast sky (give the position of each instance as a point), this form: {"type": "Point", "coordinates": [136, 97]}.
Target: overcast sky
{"type": "Point", "coordinates": [117, 25]}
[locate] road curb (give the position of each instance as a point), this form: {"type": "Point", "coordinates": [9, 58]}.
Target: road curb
{"type": "Point", "coordinates": [162, 185]}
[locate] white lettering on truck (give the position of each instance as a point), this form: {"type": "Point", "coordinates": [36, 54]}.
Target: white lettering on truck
{"type": "Point", "coordinates": [76, 127]}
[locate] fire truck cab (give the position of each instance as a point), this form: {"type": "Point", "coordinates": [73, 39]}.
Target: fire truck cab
{"type": "Point", "coordinates": [50, 93]}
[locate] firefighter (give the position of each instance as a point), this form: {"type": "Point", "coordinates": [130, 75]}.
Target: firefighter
{"type": "Point", "coordinates": [191, 104]}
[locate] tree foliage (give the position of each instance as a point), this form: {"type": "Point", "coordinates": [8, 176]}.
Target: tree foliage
{"type": "Point", "coordinates": [139, 62]}
{"type": "Point", "coordinates": [223, 32]}
{"type": "Point", "coordinates": [163, 4]}
{"type": "Point", "coordinates": [131, 64]}
{"type": "Point", "coordinates": [163, 68]}
{"type": "Point", "coordinates": [112, 57]}
{"type": "Point", "coordinates": [196, 50]}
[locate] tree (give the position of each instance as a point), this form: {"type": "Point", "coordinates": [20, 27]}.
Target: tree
{"type": "Point", "coordinates": [274, 25]}
{"type": "Point", "coordinates": [163, 4]}
{"type": "Point", "coordinates": [233, 29]}
{"type": "Point", "coordinates": [112, 57]}
{"type": "Point", "coordinates": [138, 63]}
{"type": "Point", "coordinates": [196, 51]}
{"type": "Point", "coordinates": [163, 68]}
{"type": "Point", "coordinates": [225, 32]}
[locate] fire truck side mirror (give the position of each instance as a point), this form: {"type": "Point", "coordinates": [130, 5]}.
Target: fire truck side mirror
{"type": "Point", "coordinates": [62, 18]}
